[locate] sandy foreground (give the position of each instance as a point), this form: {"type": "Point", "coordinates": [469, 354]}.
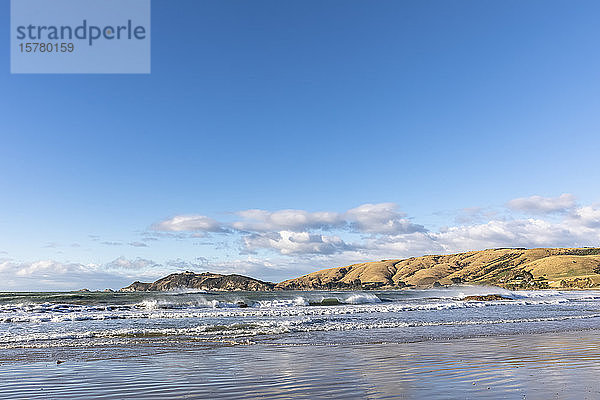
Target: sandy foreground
{"type": "Point", "coordinates": [563, 365]}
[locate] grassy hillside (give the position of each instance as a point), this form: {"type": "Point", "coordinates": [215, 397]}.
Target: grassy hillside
{"type": "Point", "coordinates": [510, 268]}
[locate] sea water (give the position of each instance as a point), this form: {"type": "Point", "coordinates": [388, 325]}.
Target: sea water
{"type": "Point", "coordinates": [76, 319]}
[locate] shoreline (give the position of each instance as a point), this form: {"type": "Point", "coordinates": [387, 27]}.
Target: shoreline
{"type": "Point", "coordinates": [542, 365]}
{"type": "Point", "coordinates": [129, 349]}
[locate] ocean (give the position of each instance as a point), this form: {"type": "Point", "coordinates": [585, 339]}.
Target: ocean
{"type": "Point", "coordinates": [40, 320]}
{"type": "Point", "coordinates": [334, 344]}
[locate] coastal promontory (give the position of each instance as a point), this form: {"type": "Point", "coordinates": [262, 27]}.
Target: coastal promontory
{"type": "Point", "coordinates": [204, 281]}
{"type": "Point", "coordinates": [511, 268]}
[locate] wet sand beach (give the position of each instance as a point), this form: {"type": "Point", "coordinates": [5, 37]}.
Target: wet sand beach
{"type": "Point", "coordinates": [559, 365]}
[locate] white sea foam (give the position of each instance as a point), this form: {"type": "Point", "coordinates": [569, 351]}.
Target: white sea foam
{"type": "Point", "coordinates": [218, 317]}
{"type": "Point", "coordinates": [295, 302]}
{"type": "Point", "coordinates": [362, 298]}
{"type": "Point", "coordinates": [355, 304]}
{"type": "Point", "coordinates": [237, 330]}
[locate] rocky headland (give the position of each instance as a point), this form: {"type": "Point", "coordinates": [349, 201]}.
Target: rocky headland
{"type": "Point", "coordinates": [543, 268]}
{"type": "Point", "coordinates": [204, 281]}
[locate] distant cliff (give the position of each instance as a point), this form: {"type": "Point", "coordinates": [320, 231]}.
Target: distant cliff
{"type": "Point", "coordinates": [510, 268]}
{"type": "Point", "coordinates": [205, 281]}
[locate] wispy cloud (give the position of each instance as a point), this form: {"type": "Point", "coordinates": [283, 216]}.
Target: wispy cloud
{"type": "Point", "coordinates": [56, 275]}
{"type": "Point", "coordinates": [543, 205]}
{"type": "Point", "coordinates": [125, 264]}
{"type": "Point", "coordinates": [189, 223]}
{"type": "Point", "coordinates": [471, 215]}
{"type": "Point", "coordinates": [138, 244]}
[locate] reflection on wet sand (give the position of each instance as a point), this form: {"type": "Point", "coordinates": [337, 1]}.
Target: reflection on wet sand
{"type": "Point", "coordinates": [554, 365]}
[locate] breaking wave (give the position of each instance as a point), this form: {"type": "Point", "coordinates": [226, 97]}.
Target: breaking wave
{"type": "Point", "coordinates": [60, 318]}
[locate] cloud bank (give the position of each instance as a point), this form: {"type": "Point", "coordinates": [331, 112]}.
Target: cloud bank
{"type": "Point", "coordinates": [374, 230]}
{"type": "Point", "coordinates": [367, 218]}
{"type": "Point", "coordinates": [276, 245]}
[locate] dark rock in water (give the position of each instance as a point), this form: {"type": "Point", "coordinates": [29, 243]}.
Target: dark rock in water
{"type": "Point", "coordinates": [59, 362]}
{"type": "Point", "coordinates": [204, 281]}
{"type": "Point", "coordinates": [489, 297]}
{"type": "Point", "coordinates": [326, 302]}
{"type": "Point", "coordinates": [241, 304]}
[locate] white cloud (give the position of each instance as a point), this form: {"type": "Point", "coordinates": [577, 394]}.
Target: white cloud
{"type": "Point", "coordinates": [55, 275]}
{"type": "Point", "coordinates": [578, 229]}
{"type": "Point", "coordinates": [138, 264]}
{"type": "Point", "coordinates": [199, 263]}
{"type": "Point", "coordinates": [381, 218]}
{"type": "Point", "coordinates": [516, 233]}
{"type": "Point", "coordinates": [60, 276]}
{"type": "Point", "coordinates": [252, 266]}
{"type": "Point", "coordinates": [543, 205]}
{"type": "Point", "coordinates": [291, 220]}
{"type": "Point", "coordinates": [48, 268]}
{"type": "Point", "coordinates": [183, 223]}
{"type": "Point", "coordinates": [288, 242]}
{"type": "Point", "coordinates": [588, 217]}
{"type": "Point", "coordinates": [391, 233]}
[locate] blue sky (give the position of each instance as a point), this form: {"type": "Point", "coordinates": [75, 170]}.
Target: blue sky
{"type": "Point", "coordinates": [412, 127]}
